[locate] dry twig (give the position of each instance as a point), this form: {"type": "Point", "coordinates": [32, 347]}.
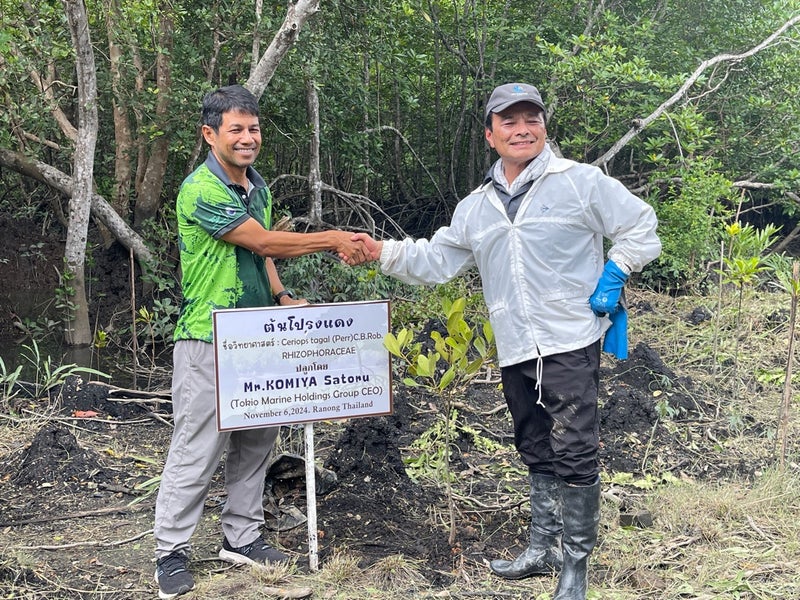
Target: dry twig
{"type": "Point", "coordinates": [138, 536]}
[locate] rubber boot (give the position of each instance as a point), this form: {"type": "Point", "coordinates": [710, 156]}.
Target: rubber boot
{"type": "Point", "coordinates": [581, 514]}
{"type": "Point", "coordinates": [543, 554]}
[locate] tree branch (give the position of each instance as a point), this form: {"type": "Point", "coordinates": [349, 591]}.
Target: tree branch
{"type": "Point", "coordinates": [296, 16]}
{"type": "Point", "coordinates": [641, 124]}
{"type": "Point", "coordinates": [411, 149]}
{"type": "Point", "coordinates": [101, 209]}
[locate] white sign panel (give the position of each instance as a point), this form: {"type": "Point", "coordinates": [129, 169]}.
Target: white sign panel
{"type": "Point", "coordinates": [299, 364]}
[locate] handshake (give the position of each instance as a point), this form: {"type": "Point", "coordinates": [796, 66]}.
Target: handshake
{"type": "Point", "coordinates": [356, 248]}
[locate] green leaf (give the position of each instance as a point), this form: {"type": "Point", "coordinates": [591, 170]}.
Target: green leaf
{"type": "Point", "coordinates": [459, 304]}
{"type": "Point", "coordinates": [474, 366]}
{"type": "Point", "coordinates": [426, 365]}
{"type": "Point", "coordinates": [391, 343]}
{"type": "Point", "coordinates": [404, 337]}
{"type": "Point", "coordinates": [480, 346]}
{"type": "Point", "coordinates": [439, 344]}
{"type": "Point", "coordinates": [447, 378]}
{"type": "Point", "coordinates": [488, 332]}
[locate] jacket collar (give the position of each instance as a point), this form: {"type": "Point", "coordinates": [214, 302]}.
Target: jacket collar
{"type": "Point", "coordinates": [554, 165]}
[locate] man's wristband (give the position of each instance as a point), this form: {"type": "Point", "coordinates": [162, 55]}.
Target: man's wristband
{"type": "Point", "coordinates": [277, 297]}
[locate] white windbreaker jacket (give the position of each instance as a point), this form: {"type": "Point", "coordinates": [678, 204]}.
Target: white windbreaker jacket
{"type": "Point", "coordinates": [539, 271]}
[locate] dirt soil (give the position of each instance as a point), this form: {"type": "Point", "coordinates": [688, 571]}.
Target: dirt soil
{"type": "Point", "coordinates": [67, 483]}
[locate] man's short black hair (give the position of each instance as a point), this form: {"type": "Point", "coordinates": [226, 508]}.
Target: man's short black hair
{"type": "Point", "coordinates": [231, 98]}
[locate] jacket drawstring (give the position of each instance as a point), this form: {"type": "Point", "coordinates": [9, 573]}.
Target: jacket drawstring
{"type": "Point", "coordinates": [538, 386]}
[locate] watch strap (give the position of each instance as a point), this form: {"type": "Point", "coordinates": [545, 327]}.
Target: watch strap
{"type": "Point", "coordinates": [277, 297]}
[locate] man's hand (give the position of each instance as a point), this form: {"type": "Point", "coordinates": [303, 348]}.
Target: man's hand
{"type": "Point", "coordinates": [605, 299]}
{"type": "Point", "coordinates": [373, 248]}
{"type": "Point", "coordinates": [289, 301]}
{"type": "Point", "coordinates": [350, 250]}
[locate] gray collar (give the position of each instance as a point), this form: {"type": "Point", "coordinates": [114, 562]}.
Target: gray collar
{"type": "Point", "coordinates": [252, 175]}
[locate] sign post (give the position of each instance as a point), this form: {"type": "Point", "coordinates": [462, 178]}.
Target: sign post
{"type": "Point", "coordinates": [285, 365]}
{"type": "Point", "coordinates": [311, 498]}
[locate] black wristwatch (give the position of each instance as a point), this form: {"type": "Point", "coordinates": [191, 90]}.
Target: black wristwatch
{"type": "Point", "coordinates": [277, 297]}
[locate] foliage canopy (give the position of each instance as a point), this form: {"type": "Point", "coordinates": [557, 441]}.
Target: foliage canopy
{"type": "Point", "coordinates": [402, 84]}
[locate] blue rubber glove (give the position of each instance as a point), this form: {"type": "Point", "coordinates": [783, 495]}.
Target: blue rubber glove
{"type": "Point", "coordinates": [605, 298]}
{"type": "Point", "coordinates": [616, 339]}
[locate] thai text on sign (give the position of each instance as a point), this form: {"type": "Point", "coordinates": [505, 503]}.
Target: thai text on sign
{"type": "Point", "coordinates": [297, 364]}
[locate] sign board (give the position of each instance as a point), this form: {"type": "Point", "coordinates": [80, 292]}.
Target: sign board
{"type": "Point", "coordinates": [298, 364]}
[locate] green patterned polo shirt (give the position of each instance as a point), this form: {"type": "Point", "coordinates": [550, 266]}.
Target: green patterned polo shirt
{"type": "Point", "coordinates": [216, 274]}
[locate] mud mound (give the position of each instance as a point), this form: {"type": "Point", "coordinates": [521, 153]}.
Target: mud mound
{"type": "Point", "coordinates": [77, 394]}
{"type": "Point", "coordinates": [54, 456]}
{"type": "Point", "coordinates": [645, 372]}
{"type": "Point", "coordinates": [376, 510]}
{"type": "Point", "coordinates": [369, 445]}
{"type": "Point", "coordinates": [635, 395]}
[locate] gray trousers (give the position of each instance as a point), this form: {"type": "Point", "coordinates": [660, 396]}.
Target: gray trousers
{"type": "Point", "coordinates": [194, 455]}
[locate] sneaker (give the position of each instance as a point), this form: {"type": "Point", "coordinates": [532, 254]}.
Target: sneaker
{"type": "Point", "coordinates": [256, 553]}
{"type": "Point", "coordinates": [172, 575]}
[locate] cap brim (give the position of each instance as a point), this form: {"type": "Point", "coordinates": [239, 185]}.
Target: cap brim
{"type": "Point", "coordinates": [505, 105]}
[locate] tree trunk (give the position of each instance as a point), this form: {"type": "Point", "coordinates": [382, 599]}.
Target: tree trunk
{"type": "Point", "coordinates": [314, 177]}
{"type": "Point", "coordinates": [256, 36]}
{"type": "Point", "coordinates": [77, 330]}
{"type": "Point", "coordinates": [365, 188]}
{"type": "Point", "coordinates": [149, 200]}
{"type": "Point", "coordinates": [142, 139]}
{"type": "Point", "coordinates": [123, 138]}
{"type": "Point", "coordinates": [296, 16]}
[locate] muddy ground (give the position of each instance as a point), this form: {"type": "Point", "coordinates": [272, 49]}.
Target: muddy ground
{"type": "Point", "coordinates": [68, 527]}
{"type": "Point", "coordinates": [74, 481]}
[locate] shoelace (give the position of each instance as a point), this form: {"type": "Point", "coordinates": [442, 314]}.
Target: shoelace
{"type": "Point", "coordinates": [173, 564]}
{"type": "Point", "coordinates": [258, 544]}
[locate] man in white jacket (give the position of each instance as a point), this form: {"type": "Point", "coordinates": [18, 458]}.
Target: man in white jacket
{"type": "Point", "coordinates": [535, 229]}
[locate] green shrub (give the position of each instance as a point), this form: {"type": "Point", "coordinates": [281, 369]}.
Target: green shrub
{"type": "Point", "coordinates": [691, 217]}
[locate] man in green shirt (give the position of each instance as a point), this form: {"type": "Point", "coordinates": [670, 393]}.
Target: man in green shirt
{"type": "Point", "coordinates": [226, 249]}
